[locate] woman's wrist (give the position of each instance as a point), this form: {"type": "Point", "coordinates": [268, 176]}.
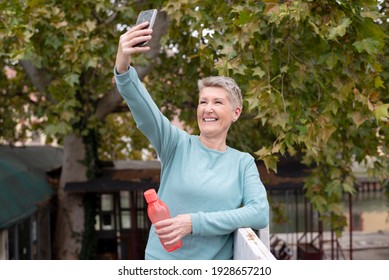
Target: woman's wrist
{"type": "Point", "coordinates": [122, 63]}
{"type": "Point", "coordinates": [121, 70]}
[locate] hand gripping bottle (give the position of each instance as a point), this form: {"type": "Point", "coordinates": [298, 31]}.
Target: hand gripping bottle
{"type": "Point", "coordinates": [157, 211]}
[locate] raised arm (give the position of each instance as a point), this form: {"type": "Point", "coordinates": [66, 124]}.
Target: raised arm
{"type": "Point", "coordinates": [149, 119]}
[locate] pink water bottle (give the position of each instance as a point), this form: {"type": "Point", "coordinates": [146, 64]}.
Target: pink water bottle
{"type": "Point", "coordinates": [157, 211]}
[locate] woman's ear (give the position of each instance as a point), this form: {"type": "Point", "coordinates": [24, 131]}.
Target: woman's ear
{"type": "Point", "coordinates": [237, 112]}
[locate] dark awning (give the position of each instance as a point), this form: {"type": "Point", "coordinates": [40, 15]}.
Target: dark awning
{"type": "Point", "coordinates": [107, 185]}
{"type": "Point", "coordinates": [23, 183]}
{"type": "Point", "coordinates": [122, 175]}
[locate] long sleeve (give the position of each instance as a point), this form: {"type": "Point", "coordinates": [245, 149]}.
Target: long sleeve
{"type": "Point", "coordinates": [254, 212]}
{"type": "Point", "coordinates": [149, 119]}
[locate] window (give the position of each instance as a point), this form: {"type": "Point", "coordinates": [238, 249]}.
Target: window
{"type": "Point", "coordinates": [105, 218]}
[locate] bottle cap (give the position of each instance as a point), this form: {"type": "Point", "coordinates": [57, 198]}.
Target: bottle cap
{"type": "Point", "coordinates": [150, 195]}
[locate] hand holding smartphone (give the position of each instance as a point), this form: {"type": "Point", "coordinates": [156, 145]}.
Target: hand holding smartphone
{"type": "Point", "coordinates": [149, 16]}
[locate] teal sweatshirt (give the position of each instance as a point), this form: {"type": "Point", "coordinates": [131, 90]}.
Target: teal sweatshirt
{"type": "Point", "coordinates": [221, 191]}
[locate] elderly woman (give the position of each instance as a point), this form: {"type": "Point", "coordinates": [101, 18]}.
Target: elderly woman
{"type": "Point", "coordinates": [210, 188]}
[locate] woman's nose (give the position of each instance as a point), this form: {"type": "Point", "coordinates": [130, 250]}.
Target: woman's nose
{"type": "Point", "coordinates": [209, 108]}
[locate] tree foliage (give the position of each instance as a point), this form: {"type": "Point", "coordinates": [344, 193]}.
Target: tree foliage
{"type": "Point", "coordinates": [63, 54]}
{"type": "Point", "coordinates": [314, 74]}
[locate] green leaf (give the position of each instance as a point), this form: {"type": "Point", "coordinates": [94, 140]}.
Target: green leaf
{"type": "Point", "coordinates": [263, 152]}
{"type": "Point", "coordinates": [54, 42]}
{"type": "Point", "coordinates": [349, 188]}
{"type": "Point", "coordinates": [339, 30]}
{"type": "Point", "coordinates": [60, 128]}
{"type": "Point", "coordinates": [259, 72]}
{"type": "Point", "coordinates": [369, 45]}
{"type": "Point", "coordinates": [281, 119]}
{"type": "Point", "coordinates": [358, 118]}
{"type": "Point", "coordinates": [72, 78]}
{"type": "Point", "coordinates": [371, 14]}
{"type": "Point", "coordinates": [91, 25]}
{"type": "Point", "coordinates": [378, 82]}
{"type": "Point", "coordinates": [244, 17]}
{"type": "Point", "coordinates": [253, 102]}
{"type": "Point", "coordinates": [381, 112]}
{"type": "Point", "coordinates": [92, 62]}
{"type": "Point", "coordinates": [269, 159]}
{"type": "Point", "coordinates": [334, 188]}
{"type": "Point", "coordinates": [302, 129]}
{"type": "Point", "coordinates": [60, 24]}
{"type": "Point", "coordinates": [336, 208]}
{"type": "Point", "coordinates": [284, 69]}
{"type": "Point", "coordinates": [319, 203]}
{"type": "Point", "coordinates": [332, 60]}
{"type": "Point", "coordinates": [270, 163]}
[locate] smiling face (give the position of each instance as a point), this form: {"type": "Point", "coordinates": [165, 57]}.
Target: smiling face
{"type": "Point", "coordinates": [215, 113]}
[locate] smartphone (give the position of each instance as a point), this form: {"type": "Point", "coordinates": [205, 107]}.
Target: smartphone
{"type": "Point", "coordinates": [147, 15]}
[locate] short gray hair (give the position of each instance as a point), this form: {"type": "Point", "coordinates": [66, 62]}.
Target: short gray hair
{"type": "Point", "coordinates": [228, 84]}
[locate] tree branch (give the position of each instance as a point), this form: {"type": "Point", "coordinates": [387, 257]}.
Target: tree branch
{"type": "Point", "coordinates": [40, 78]}
{"type": "Point", "coordinates": [107, 21]}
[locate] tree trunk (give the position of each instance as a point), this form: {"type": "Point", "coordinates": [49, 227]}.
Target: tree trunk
{"type": "Point", "coordinates": [70, 212]}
